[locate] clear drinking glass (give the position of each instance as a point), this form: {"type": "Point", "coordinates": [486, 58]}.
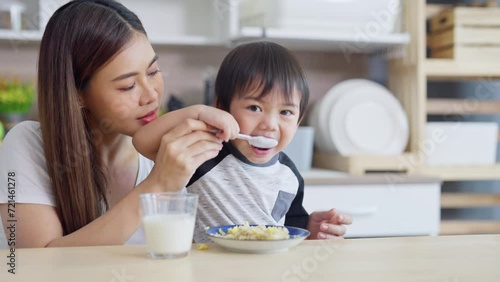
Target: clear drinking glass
{"type": "Point", "coordinates": [168, 220]}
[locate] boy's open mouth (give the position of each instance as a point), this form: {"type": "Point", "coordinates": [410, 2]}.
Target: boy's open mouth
{"type": "Point", "coordinates": [261, 149]}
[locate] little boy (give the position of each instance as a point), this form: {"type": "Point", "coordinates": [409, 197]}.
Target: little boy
{"type": "Point", "coordinates": [264, 87]}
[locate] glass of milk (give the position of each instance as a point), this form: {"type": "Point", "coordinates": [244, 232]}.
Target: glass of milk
{"type": "Point", "coordinates": [168, 220]}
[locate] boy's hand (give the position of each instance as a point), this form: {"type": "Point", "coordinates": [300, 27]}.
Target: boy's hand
{"type": "Point", "coordinates": [328, 224]}
{"type": "Point", "coordinates": [224, 122]}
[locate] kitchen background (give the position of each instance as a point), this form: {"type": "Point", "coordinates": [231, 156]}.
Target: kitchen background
{"type": "Point", "coordinates": [185, 66]}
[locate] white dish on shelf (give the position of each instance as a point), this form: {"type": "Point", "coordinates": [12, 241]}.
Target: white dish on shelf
{"type": "Point", "coordinates": [320, 114]}
{"type": "Point", "coordinates": [368, 119]}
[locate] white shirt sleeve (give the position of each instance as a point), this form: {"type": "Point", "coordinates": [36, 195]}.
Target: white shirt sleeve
{"type": "Point", "coordinates": [22, 154]}
{"type": "Point", "coordinates": [145, 167]}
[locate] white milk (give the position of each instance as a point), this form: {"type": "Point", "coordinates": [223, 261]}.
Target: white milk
{"type": "Point", "coordinates": [169, 233]}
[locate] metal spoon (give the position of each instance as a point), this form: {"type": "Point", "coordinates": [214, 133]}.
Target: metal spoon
{"type": "Point", "coordinates": [256, 141]}
{"type": "Point", "coordinates": [259, 141]}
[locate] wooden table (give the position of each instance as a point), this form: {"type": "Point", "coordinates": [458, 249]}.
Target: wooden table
{"type": "Point", "coordinates": [438, 259]}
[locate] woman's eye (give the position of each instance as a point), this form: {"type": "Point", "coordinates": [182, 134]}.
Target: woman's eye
{"type": "Point", "coordinates": [153, 73]}
{"type": "Point", "coordinates": [254, 108]}
{"type": "Point", "coordinates": [128, 88]}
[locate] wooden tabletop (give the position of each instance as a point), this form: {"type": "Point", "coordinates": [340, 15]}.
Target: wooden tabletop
{"type": "Point", "coordinates": [437, 259]}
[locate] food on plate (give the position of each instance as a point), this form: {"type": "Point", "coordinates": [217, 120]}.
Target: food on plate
{"type": "Point", "coordinates": [259, 232]}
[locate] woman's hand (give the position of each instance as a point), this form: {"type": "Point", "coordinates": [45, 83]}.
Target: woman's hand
{"type": "Point", "coordinates": [147, 139]}
{"type": "Point", "coordinates": [328, 224]}
{"type": "Point", "coordinates": [224, 122]}
{"type": "Point", "coordinates": [182, 150]}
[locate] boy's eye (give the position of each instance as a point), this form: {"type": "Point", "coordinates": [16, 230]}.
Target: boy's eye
{"type": "Point", "coordinates": [254, 108]}
{"type": "Point", "coordinates": [286, 112]}
{"type": "Point", "coordinates": [128, 88]}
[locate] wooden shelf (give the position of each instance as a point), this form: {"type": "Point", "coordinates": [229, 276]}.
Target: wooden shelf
{"type": "Point", "coordinates": [454, 227]}
{"type": "Point", "coordinates": [432, 10]}
{"type": "Point", "coordinates": [451, 69]}
{"type": "Point", "coordinates": [408, 80]}
{"type": "Point", "coordinates": [363, 165]}
{"type": "Point", "coordinates": [189, 40]}
{"type": "Point", "coordinates": [461, 106]}
{"type": "Point", "coordinates": [462, 173]}
{"type": "Point", "coordinates": [318, 176]}
{"type": "Point", "coordinates": [322, 40]}
{"type": "Point", "coordinates": [27, 35]}
{"type": "Point", "coordinates": [360, 165]}
{"type": "Point", "coordinates": [469, 200]}
{"type": "Point", "coordinates": [315, 41]}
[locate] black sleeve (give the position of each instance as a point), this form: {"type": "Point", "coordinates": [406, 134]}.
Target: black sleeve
{"type": "Point", "coordinates": [296, 216]}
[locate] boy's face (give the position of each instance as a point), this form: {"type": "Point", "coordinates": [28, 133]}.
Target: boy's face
{"type": "Point", "coordinates": [271, 116]}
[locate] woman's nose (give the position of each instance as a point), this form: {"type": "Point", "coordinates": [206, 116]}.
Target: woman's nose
{"type": "Point", "coordinates": [149, 95]}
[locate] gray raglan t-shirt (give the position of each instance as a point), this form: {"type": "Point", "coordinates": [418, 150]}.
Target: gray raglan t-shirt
{"type": "Point", "coordinates": [233, 190]}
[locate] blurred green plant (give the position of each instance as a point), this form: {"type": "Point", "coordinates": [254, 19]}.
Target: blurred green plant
{"type": "Point", "coordinates": [16, 97]}
{"type": "Point", "coordinates": [2, 131]}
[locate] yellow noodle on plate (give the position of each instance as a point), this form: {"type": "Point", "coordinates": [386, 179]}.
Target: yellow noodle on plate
{"type": "Point", "coordinates": [260, 232]}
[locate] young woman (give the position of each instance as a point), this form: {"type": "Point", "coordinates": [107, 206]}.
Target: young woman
{"type": "Point", "coordinates": [74, 177]}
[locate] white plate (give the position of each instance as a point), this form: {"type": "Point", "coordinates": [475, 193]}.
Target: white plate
{"type": "Point", "coordinates": [320, 114]}
{"type": "Point", "coordinates": [368, 120]}
{"type": "Point", "coordinates": [297, 235]}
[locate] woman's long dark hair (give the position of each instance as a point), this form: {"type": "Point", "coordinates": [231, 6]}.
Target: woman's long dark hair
{"type": "Point", "coordinates": [79, 39]}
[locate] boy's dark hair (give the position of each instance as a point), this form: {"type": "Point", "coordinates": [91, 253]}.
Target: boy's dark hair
{"type": "Point", "coordinates": [260, 65]}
